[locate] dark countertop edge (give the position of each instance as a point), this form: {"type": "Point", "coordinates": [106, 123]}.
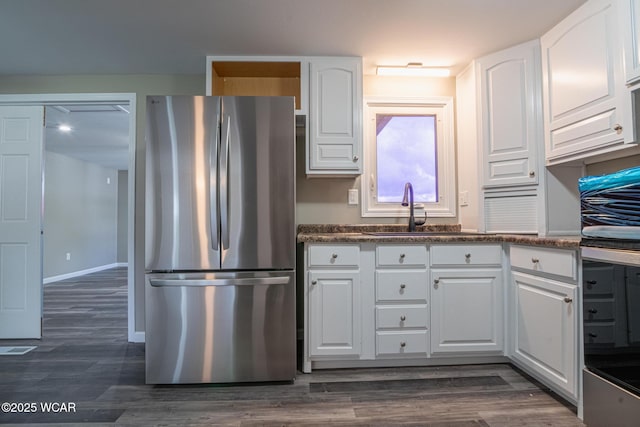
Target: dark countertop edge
{"type": "Point", "coordinates": [569, 242]}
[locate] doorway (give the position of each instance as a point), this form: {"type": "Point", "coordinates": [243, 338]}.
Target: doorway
{"type": "Point", "coordinates": [127, 101]}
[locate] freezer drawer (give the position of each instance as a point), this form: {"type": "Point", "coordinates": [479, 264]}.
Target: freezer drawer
{"type": "Point", "coordinates": [220, 327]}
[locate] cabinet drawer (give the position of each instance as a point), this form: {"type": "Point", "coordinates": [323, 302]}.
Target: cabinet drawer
{"type": "Point", "coordinates": [401, 343]}
{"type": "Point", "coordinates": [598, 310]}
{"type": "Point", "coordinates": [401, 256]}
{"type": "Point", "coordinates": [599, 334]}
{"type": "Point", "coordinates": [560, 262]}
{"type": "Point", "coordinates": [401, 285]}
{"type": "Point", "coordinates": [470, 254]}
{"type": "Point", "coordinates": [408, 316]}
{"type": "Point", "coordinates": [347, 256]}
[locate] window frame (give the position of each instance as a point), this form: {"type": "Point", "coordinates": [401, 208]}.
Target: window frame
{"type": "Point", "coordinates": [442, 108]}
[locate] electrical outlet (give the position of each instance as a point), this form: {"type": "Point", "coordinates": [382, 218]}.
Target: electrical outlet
{"type": "Point", "coordinates": [353, 196]}
{"type": "Point", "coordinates": [68, 256]}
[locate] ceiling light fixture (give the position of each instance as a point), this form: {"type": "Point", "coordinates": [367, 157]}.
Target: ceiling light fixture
{"type": "Point", "coordinates": [64, 128]}
{"type": "Point", "coordinates": [412, 69]}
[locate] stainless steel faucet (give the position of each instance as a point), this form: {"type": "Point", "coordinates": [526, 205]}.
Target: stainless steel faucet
{"type": "Point", "coordinates": [407, 200]}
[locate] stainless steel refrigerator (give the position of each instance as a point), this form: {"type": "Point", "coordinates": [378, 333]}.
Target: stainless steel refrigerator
{"type": "Point", "coordinates": [220, 239]}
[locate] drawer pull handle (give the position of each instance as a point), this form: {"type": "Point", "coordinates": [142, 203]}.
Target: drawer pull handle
{"type": "Point", "coordinates": [568, 300]}
{"type": "Point", "coordinates": [403, 318]}
{"type": "Point", "coordinates": [435, 283]}
{"type": "Point", "coordinates": [593, 311]}
{"type": "Point", "coordinates": [314, 282]}
{"type": "Point", "coordinates": [592, 282]}
{"type": "Point", "coordinates": [618, 128]}
{"type": "Point", "coordinates": [401, 255]}
{"type": "Point", "coordinates": [532, 174]}
{"type": "Point", "coordinates": [402, 286]}
{"type": "Point", "coordinates": [334, 256]}
{"type": "Point", "coordinates": [467, 256]}
{"type": "Point", "coordinates": [403, 344]}
{"type": "Point", "coordinates": [535, 260]}
{"type": "Point", "coordinates": [592, 335]}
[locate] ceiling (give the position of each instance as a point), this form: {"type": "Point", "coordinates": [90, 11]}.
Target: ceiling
{"type": "Point", "coordinates": [174, 36]}
{"type": "Point", "coordinates": [99, 133]}
{"type": "Point", "coordinates": [58, 37]}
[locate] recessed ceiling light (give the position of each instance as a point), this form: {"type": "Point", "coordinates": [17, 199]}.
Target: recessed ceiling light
{"type": "Point", "coordinates": [64, 128]}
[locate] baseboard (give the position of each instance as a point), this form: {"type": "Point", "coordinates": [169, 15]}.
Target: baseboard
{"type": "Point", "coordinates": [73, 274]}
{"type": "Point", "coordinates": [136, 336]}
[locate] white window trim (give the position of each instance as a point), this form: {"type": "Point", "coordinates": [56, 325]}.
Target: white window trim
{"type": "Point", "coordinates": [442, 107]}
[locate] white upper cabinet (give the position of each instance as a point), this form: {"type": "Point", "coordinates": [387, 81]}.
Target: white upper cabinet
{"type": "Point", "coordinates": [510, 97]}
{"type": "Point", "coordinates": [583, 84]}
{"type": "Point", "coordinates": [335, 116]}
{"type": "Point", "coordinates": [630, 15]}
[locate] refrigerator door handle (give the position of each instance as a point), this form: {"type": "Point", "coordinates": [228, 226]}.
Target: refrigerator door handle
{"type": "Point", "coordinates": [251, 281]}
{"type": "Point", "coordinates": [213, 193]}
{"type": "Point", "coordinates": [224, 184]}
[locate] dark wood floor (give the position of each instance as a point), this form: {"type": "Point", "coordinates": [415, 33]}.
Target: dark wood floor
{"type": "Point", "coordinates": [84, 359]}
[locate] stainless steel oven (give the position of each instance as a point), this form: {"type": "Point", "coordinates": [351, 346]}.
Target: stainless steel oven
{"type": "Point", "coordinates": [610, 249]}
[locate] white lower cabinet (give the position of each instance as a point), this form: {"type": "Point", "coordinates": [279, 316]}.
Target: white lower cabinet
{"type": "Point", "coordinates": [333, 302]}
{"type": "Point", "coordinates": [545, 318]}
{"type": "Point", "coordinates": [401, 298]}
{"type": "Point", "coordinates": [334, 313]}
{"type": "Point", "coordinates": [393, 304]}
{"type": "Point", "coordinates": [467, 310]}
{"type": "Point", "coordinates": [466, 299]}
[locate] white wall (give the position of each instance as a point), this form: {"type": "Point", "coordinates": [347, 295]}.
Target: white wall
{"type": "Point", "coordinates": [80, 215]}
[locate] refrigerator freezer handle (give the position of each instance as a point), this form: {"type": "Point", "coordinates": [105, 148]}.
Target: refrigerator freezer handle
{"type": "Point", "coordinates": [224, 183]}
{"type": "Point", "coordinates": [213, 191]}
{"type": "Point", "coordinates": [251, 281]}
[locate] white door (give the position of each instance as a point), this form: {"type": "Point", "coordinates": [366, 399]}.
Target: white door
{"type": "Point", "coordinates": [20, 221]}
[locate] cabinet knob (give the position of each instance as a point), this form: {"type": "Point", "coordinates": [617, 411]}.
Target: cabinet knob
{"type": "Point", "coordinates": [402, 286]}
{"type": "Point", "coordinates": [402, 256]}
{"type": "Point", "coordinates": [532, 174]}
{"type": "Point", "coordinates": [593, 311]}
{"type": "Point", "coordinates": [618, 128]}
{"type": "Point", "coordinates": [568, 300]}
{"type": "Point", "coordinates": [467, 256]}
{"type": "Point", "coordinates": [334, 256]}
{"type": "Point", "coordinates": [314, 282]}
{"type": "Point", "coordinates": [435, 283]}
{"type": "Point", "coordinates": [592, 335]}
{"type": "Point", "coordinates": [591, 282]}
{"type": "Point", "coordinates": [403, 344]}
{"type": "Point", "coordinates": [535, 260]}
{"type": "Point", "coordinates": [355, 158]}
{"type": "Point", "coordinates": [403, 318]}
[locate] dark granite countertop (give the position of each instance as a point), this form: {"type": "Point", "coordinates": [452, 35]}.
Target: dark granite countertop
{"type": "Point", "coordinates": [360, 233]}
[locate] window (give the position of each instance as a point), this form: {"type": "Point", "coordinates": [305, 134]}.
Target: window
{"type": "Point", "coordinates": [408, 140]}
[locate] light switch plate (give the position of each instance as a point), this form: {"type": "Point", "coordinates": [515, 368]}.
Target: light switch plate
{"type": "Point", "coordinates": [353, 196]}
{"type": "Point", "coordinates": [464, 198]}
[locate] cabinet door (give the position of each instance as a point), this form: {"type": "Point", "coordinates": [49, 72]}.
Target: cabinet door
{"type": "Point", "coordinates": [630, 15]}
{"type": "Point", "coordinates": [583, 83]}
{"type": "Point", "coordinates": [466, 311]}
{"type": "Point", "coordinates": [334, 313]}
{"type": "Point", "coordinates": [511, 115]}
{"type": "Point", "coordinates": [335, 119]}
{"type": "Point", "coordinates": [545, 329]}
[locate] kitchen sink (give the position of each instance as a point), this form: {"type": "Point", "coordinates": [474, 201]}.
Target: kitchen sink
{"type": "Point", "coordinates": [425, 233]}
